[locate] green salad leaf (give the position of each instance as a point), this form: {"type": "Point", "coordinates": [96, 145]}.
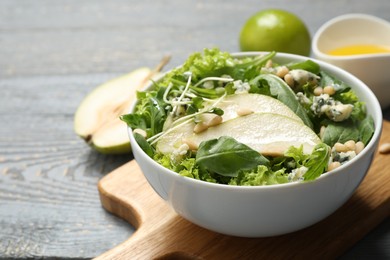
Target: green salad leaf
{"type": "Point", "coordinates": [228, 157]}
{"type": "Point", "coordinates": [307, 65]}
{"type": "Point", "coordinates": [148, 149]}
{"type": "Point", "coordinates": [340, 133]}
{"type": "Point", "coordinates": [281, 91]}
{"type": "Point", "coordinates": [317, 162]}
{"type": "Point", "coordinates": [262, 175]}
{"type": "Point", "coordinates": [366, 129]}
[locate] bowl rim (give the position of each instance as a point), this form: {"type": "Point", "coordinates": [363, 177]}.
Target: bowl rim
{"type": "Point", "coordinates": [370, 148]}
{"type": "Point", "coordinates": [345, 17]}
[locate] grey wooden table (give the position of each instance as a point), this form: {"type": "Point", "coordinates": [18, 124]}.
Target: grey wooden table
{"type": "Point", "coordinates": [52, 53]}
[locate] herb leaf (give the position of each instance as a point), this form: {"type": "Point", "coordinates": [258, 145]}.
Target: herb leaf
{"type": "Point", "coordinates": [366, 130]}
{"type": "Point", "coordinates": [148, 149]}
{"type": "Point", "coordinates": [134, 121]}
{"type": "Point", "coordinates": [280, 90]}
{"type": "Point", "coordinates": [340, 133]}
{"type": "Point", "coordinates": [228, 157]}
{"type": "Point", "coordinates": [307, 65]}
{"type": "Point", "coordinates": [317, 162]}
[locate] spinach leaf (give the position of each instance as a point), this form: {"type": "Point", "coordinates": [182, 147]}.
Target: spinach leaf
{"type": "Point", "coordinates": [307, 65]}
{"type": "Point", "coordinates": [341, 87]}
{"type": "Point", "coordinates": [227, 157]}
{"type": "Point", "coordinates": [340, 133]}
{"type": "Point", "coordinates": [281, 91]}
{"type": "Point", "coordinates": [148, 149]}
{"type": "Point", "coordinates": [366, 129]}
{"type": "Point", "coordinates": [317, 162]}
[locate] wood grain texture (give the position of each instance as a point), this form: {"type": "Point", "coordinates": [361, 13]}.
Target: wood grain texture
{"type": "Point", "coordinates": [52, 53]}
{"type": "Point", "coordinates": [161, 232]}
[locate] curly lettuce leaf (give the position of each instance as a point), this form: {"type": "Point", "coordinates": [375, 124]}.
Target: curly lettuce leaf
{"type": "Point", "coordinates": [262, 175]}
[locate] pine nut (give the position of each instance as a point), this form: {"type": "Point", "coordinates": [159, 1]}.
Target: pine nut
{"type": "Point", "coordinates": [322, 131]}
{"type": "Point", "coordinates": [351, 145]}
{"type": "Point", "coordinates": [210, 119]}
{"type": "Point", "coordinates": [333, 165]}
{"type": "Point", "coordinates": [318, 91]}
{"type": "Point", "coordinates": [268, 64]}
{"type": "Point", "coordinates": [359, 146]}
{"type": "Point", "coordinates": [330, 90]}
{"type": "Point", "coordinates": [281, 71]}
{"type": "Point", "coordinates": [191, 145]}
{"type": "Point", "coordinates": [339, 147]}
{"type": "Point", "coordinates": [289, 79]}
{"type": "Point", "coordinates": [243, 111]}
{"type": "Point", "coordinates": [384, 148]}
{"type": "Point", "coordinates": [200, 127]}
{"type": "Point", "coordinates": [216, 120]}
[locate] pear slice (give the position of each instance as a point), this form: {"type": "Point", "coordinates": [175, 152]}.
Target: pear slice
{"type": "Point", "coordinates": [246, 103]}
{"type": "Point", "coordinates": [97, 117]}
{"type": "Point", "coordinates": [268, 133]}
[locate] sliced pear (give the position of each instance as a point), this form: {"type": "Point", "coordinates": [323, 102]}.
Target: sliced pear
{"type": "Point", "coordinates": [268, 133]}
{"type": "Point", "coordinates": [242, 104]}
{"type": "Point", "coordinates": [97, 118]}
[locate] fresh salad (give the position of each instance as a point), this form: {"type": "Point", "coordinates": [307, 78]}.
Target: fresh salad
{"type": "Point", "coordinates": [249, 121]}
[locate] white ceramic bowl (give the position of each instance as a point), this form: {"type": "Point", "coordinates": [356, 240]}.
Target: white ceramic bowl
{"type": "Point", "coordinates": [350, 29]}
{"type": "Point", "coordinates": [265, 210]}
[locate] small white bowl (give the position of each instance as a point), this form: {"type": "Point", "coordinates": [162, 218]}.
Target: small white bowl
{"type": "Point", "coordinates": [263, 211]}
{"type": "Point", "coordinates": [352, 29]}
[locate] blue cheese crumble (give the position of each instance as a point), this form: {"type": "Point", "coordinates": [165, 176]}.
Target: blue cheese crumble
{"type": "Point", "coordinates": [334, 110]}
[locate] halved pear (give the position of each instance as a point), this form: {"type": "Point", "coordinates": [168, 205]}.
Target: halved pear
{"type": "Point", "coordinates": [246, 103]}
{"type": "Point", "coordinates": [97, 118]}
{"type": "Point", "coordinates": [268, 133]}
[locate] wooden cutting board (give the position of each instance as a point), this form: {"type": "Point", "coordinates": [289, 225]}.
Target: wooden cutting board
{"type": "Point", "coordinates": [162, 234]}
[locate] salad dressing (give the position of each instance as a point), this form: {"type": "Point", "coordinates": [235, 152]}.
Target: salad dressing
{"type": "Point", "coordinates": [357, 49]}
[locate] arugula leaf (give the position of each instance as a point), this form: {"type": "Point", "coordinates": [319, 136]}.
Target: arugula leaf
{"type": "Point", "coordinates": [150, 112]}
{"type": "Point", "coordinates": [297, 154]}
{"type": "Point", "coordinates": [340, 133]}
{"type": "Point", "coordinates": [317, 162]}
{"type": "Point", "coordinates": [208, 93]}
{"type": "Point", "coordinates": [197, 104]}
{"type": "Point", "coordinates": [250, 69]}
{"type": "Point", "coordinates": [281, 91]}
{"type": "Point", "coordinates": [134, 121]}
{"type": "Point", "coordinates": [227, 157]}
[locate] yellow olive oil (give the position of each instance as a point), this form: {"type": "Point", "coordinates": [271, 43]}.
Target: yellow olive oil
{"type": "Point", "coordinates": [360, 49]}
